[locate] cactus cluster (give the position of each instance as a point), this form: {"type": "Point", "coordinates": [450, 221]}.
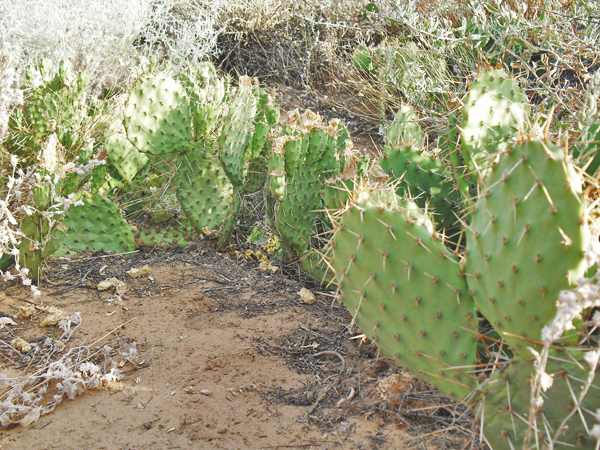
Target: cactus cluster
{"type": "Point", "coordinates": [305, 154]}
{"type": "Point", "coordinates": [525, 224]}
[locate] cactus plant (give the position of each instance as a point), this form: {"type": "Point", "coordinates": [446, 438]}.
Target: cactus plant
{"type": "Point", "coordinates": [95, 225]}
{"type": "Point", "coordinates": [157, 115]}
{"type": "Point", "coordinates": [203, 189]}
{"type": "Point", "coordinates": [494, 109]}
{"type": "Point", "coordinates": [526, 230]}
{"type": "Point", "coordinates": [407, 291]}
{"type": "Point", "coordinates": [507, 400]}
{"type": "Point", "coordinates": [300, 160]}
{"type": "Point", "coordinates": [526, 239]}
{"type": "Point", "coordinates": [423, 177]}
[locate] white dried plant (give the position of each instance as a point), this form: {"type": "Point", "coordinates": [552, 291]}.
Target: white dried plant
{"type": "Point", "coordinates": [25, 399]}
{"type": "Point", "coordinates": [107, 37]}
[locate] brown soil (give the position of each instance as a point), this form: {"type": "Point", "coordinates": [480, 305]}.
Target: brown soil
{"type": "Point", "coordinates": [277, 369]}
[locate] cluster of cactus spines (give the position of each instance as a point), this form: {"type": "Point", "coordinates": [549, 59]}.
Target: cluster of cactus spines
{"type": "Point", "coordinates": [507, 404]}
{"type": "Point", "coordinates": [423, 177]}
{"type": "Point", "coordinates": [406, 291]}
{"type": "Point", "coordinates": [494, 109]}
{"type": "Point", "coordinates": [157, 115]}
{"type": "Point", "coordinates": [95, 225]}
{"type": "Point", "coordinates": [203, 189]}
{"type": "Point", "coordinates": [526, 239]}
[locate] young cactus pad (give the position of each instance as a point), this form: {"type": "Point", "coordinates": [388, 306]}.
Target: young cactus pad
{"type": "Point", "coordinates": [494, 109]}
{"type": "Point", "coordinates": [526, 240]}
{"type": "Point", "coordinates": [157, 116]}
{"type": "Point", "coordinates": [236, 135]}
{"type": "Point", "coordinates": [406, 291]}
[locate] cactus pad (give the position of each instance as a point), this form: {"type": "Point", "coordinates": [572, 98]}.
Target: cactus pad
{"type": "Point", "coordinates": [508, 396]}
{"type": "Point", "coordinates": [494, 109]}
{"type": "Point", "coordinates": [406, 291]}
{"type": "Point", "coordinates": [124, 159]}
{"type": "Point", "coordinates": [96, 225]}
{"type": "Point", "coordinates": [526, 239]}
{"type": "Point", "coordinates": [203, 189]}
{"type": "Point", "coordinates": [157, 116]}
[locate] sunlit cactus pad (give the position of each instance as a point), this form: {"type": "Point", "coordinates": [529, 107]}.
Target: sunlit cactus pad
{"type": "Point", "coordinates": [407, 292]}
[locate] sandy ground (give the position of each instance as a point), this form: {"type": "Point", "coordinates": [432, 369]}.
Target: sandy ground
{"type": "Point", "coordinates": [229, 358]}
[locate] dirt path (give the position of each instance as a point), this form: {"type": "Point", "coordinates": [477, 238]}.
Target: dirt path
{"type": "Point", "coordinates": [229, 358]}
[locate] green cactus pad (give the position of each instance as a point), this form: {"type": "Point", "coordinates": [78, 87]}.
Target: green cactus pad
{"type": "Point", "coordinates": [157, 116]}
{"type": "Point", "coordinates": [69, 184]}
{"type": "Point", "coordinates": [407, 292]}
{"type": "Point", "coordinates": [526, 240]}
{"type": "Point", "coordinates": [98, 178]}
{"type": "Point", "coordinates": [163, 236]}
{"type": "Point", "coordinates": [35, 229]}
{"type": "Point", "coordinates": [207, 92]}
{"type": "Point", "coordinates": [508, 397]}
{"type": "Point", "coordinates": [256, 175]}
{"type": "Point", "coordinates": [236, 135]}
{"type": "Point", "coordinates": [96, 225]}
{"type": "Point", "coordinates": [296, 213]}
{"type": "Point", "coordinates": [405, 129]}
{"type": "Point", "coordinates": [203, 189]}
{"type": "Point", "coordinates": [494, 109]}
{"type": "Point", "coordinates": [125, 161]}
{"type": "Point", "coordinates": [426, 179]}
{"type": "Point", "coordinates": [276, 167]}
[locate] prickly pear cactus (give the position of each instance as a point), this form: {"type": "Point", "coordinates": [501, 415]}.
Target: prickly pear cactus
{"type": "Point", "coordinates": [494, 109]}
{"type": "Point", "coordinates": [297, 212]}
{"type": "Point", "coordinates": [163, 230]}
{"type": "Point", "coordinates": [236, 135]}
{"type": "Point", "coordinates": [37, 244]}
{"type": "Point", "coordinates": [56, 106]}
{"type": "Point", "coordinates": [507, 398]}
{"type": "Point", "coordinates": [426, 179]}
{"type": "Point", "coordinates": [157, 115]}
{"type": "Point", "coordinates": [124, 160]}
{"type": "Point", "coordinates": [405, 129]}
{"type": "Point", "coordinates": [203, 189]}
{"type": "Point", "coordinates": [422, 176]}
{"type": "Point", "coordinates": [96, 225]}
{"type": "Point", "coordinates": [208, 93]}
{"type": "Point", "coordinates": [266, 118]}
{"type": "Point", "coordinates": [526, 240]}
{"type": "Point", "coordinates": [300, 160]}
{"type": "Point", "coordinates": [406, 291]}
